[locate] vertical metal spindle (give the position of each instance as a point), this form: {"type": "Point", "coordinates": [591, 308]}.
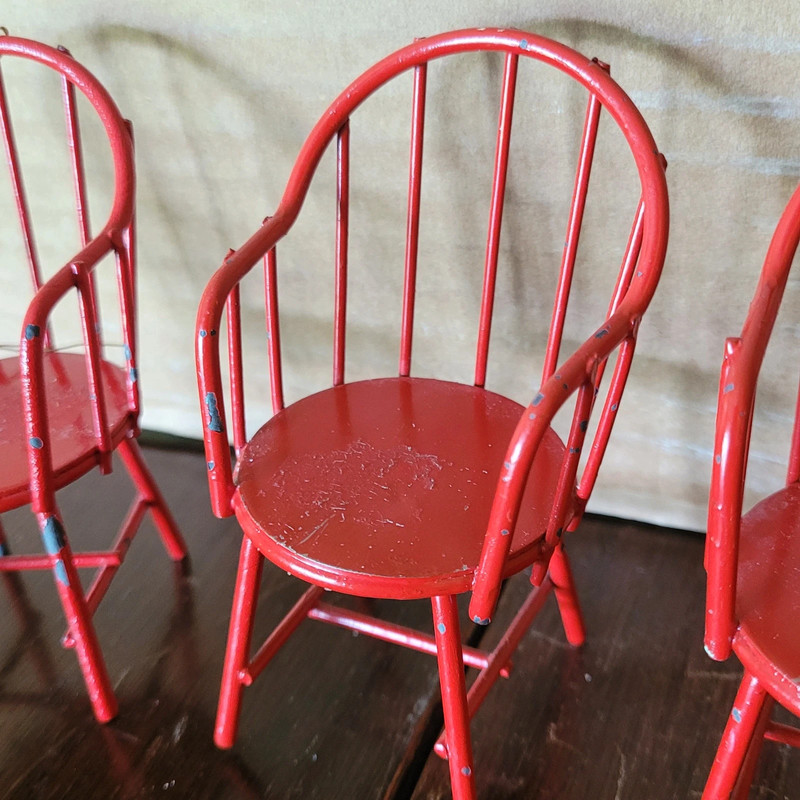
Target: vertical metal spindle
{"type": "Point", "coordinates": [625, 276]}
{"type": "Point", "coordinates": [793, 473]}
{"type": "Point", "coordinates": [273, 329]}
{"type": "Point", "coordinates": [128, 319]}
{"type": "Point", "coordinates": [79, 179]}
{"type": "Point", "coordinates": [76, 154]}
{"type": "Point", "coordinates": [629, 260]}
{"type": "Point", "coordinates": [91, 342]}
{"type": "Point", "coordinates": [573, 235]}
{"type": "Point", "coordinates": [569, 466]}
{"type": "Point", "coordinates": [412, 224]}
{"type": "Point", "coordinates": [234, 323]}
{"type": "Point", "coordinates": [12, 158]}
{"type": "Point", "coordinates": [607, 417]}
{"type": "Point", "coordinates": [342, 224]}
{"type": "Point", "coordinates": [496, 215]}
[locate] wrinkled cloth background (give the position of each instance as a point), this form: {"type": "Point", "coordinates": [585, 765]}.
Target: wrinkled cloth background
{"type": "Point", "coordinates": [222, 96]}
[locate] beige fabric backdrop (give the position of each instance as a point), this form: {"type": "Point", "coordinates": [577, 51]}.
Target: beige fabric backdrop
{"type": "Point", "coordinates": [221, 96]}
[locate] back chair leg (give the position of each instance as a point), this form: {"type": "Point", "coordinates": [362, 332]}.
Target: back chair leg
{"type": "Point", "coordinates": [240, 633]}
{"type": "Point", "coordinates": [737, 740]}
{"type": "Point", "coordinates": [454, 696]}
{"type": "Point", "coordinates": [79, 619]}
{"type": "Point", "coordinates": [567, 597]}
{"type": "Point", "coordinates": [143, 479]}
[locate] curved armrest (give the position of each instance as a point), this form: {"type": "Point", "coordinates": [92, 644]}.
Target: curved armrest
{"type": "Point", "coordinates": [75, 274]}
{"type": "Point", "coordinates": [737, 387]}
{"type": "Point", "coordinates": [207, 353]}
{"type": "Point", "coordinates": [577, 371]}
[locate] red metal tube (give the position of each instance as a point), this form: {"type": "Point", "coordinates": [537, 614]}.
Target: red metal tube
{"type": "Point", "coordinates": [273, 329]}
{"type": "Point", "coordinates": [496, 215]}
{"type": "Point", "coordinates": [12, 158]}
{"type": "Point", "coordinates": [454, 699]}
{"type": "Point", "coordinates": [573, 235]}
{"type": "Point", "coordinates": [91, 343]}
{"type": "Point", "coordinates": [500, 657]}
{"type": "Point", "coordinates": [342, 226]}
{"type": "Point", "coordinates": [390, 632]}
{"type": "Point", "coordinates": [412, 223]}
{"type": "Point", "coordinates": [76, 153]}
{"type": "Point", "coordinates": [282, 632]}
{"type": "Point", "coordinates": [236, 366]}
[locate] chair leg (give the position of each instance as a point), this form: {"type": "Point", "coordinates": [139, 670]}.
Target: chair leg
{"type": "Point", "coordinates": [735, 746]}
{"type": "Point", "coordinates": [454, 696]}
{"type": "Point", "coordinates": [145, 483]}
{"type": "Point", "coordinates": [237, 653]}
{"type": "Point", "coordinates": [79, 619]}
{"type": "Point", "coordinates": [567, 598]}
{"type": "Point", "coordinates": [748, 770]}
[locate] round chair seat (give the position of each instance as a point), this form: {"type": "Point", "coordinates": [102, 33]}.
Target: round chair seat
{"type": "Point", "coordinates": [74, 446]}
{"type": "Point", "coordinates": [384, 487]}
{"type": "Point", "coordinates": [768, 595]}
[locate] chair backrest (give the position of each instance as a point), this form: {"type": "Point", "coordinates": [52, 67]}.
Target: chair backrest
{"type": "Point", "coordinates": [78, 260]}
{"type": "Point", "coordinates": [741, 365]}
{"type": "Point", "coordinates": [641, 261]}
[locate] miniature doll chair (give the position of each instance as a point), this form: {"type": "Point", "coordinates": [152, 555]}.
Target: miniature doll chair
{"type": "Point", "coordinates": [753, 560]}
{"type": "Point", "coordinates": [415, 487]}
{"type": "Point", "coordinates": [63, 413]}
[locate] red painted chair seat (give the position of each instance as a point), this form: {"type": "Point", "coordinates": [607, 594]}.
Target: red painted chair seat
{"type": "Point", "coordinates": [338, 488]}
{"type": "Point", "coordinates": [768, 594]}
{"type": "Point", "coordinates": [73, 437]}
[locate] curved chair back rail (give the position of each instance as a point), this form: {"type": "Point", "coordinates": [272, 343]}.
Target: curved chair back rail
{"type": "Point", "coordinates": [580, 372]}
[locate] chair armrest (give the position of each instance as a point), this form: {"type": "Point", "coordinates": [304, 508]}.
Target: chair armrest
{"type": "Point", "coordinates": [207, 353]}
{"type": "Point", "coordinates": [578, 370]}
{"type": "Point", "coordinates": [74, 275]}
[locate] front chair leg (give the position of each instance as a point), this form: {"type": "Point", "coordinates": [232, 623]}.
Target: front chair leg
{"type": "Point", "coordinates": [237, 654]}
{"type": "Point", "coordinates": [729, 761]}
{"type": "Point", "coordinates": [454, 696]}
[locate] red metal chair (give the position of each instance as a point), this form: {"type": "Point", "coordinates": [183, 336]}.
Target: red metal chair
{"type": "Point", "coordinates": [753, 597]}
{"type": "Point", "coordinates": [64, 413]}
{"type": "Point", "coordinates": [398, 487]}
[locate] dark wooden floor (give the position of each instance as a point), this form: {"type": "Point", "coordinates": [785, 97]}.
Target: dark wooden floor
{"type": "Point", "coordinates": [636, 713]}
